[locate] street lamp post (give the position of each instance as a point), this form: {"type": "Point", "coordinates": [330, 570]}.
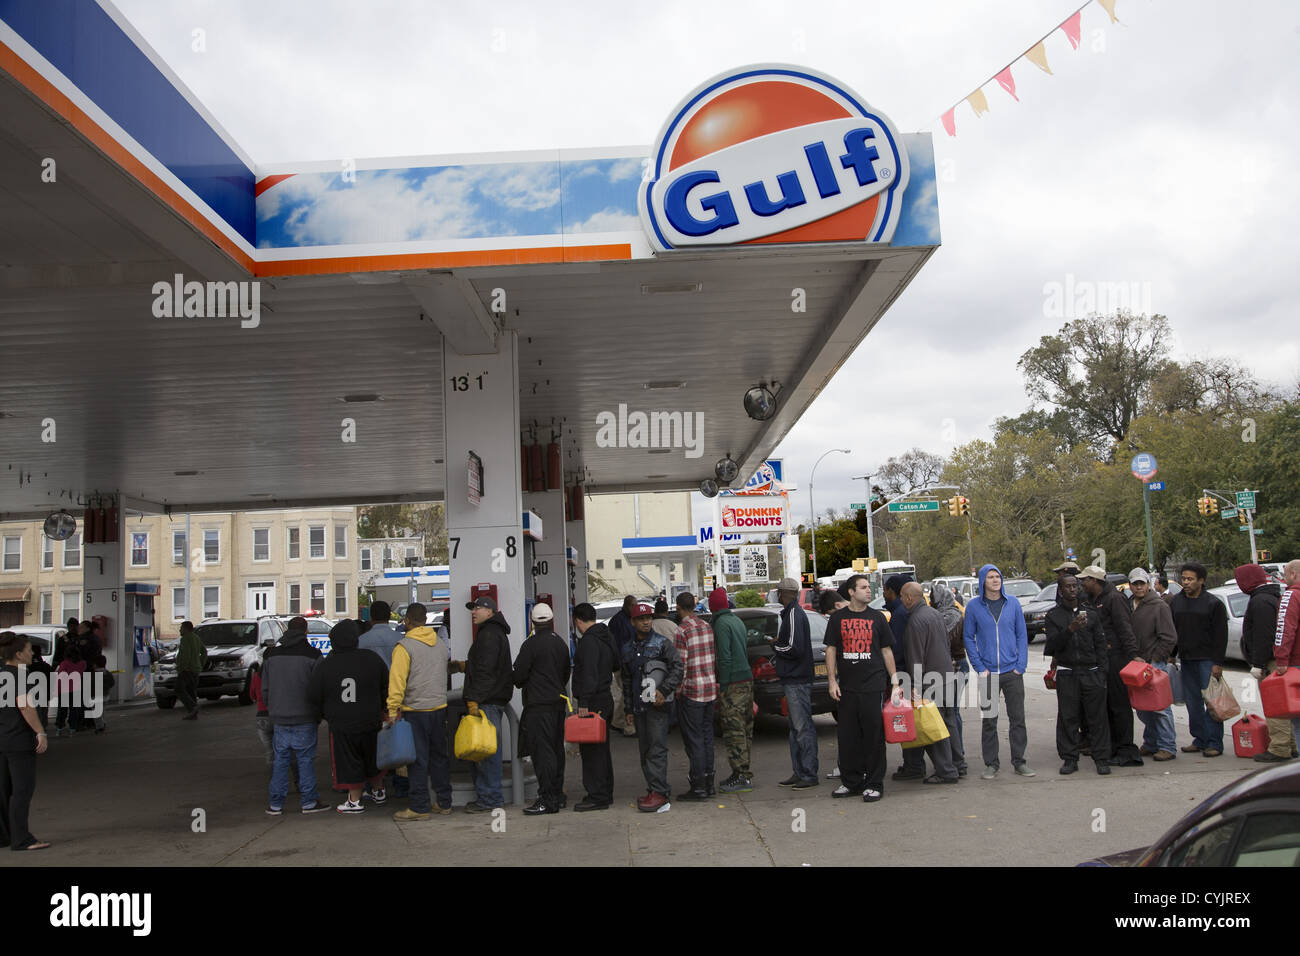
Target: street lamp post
{"type": "Point", "coordinates": [871, 534]}
{"type": "Point", "coordinates": [843, 451]}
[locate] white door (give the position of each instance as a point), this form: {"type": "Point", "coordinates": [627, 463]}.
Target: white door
{"type": "Point", "coordinates": [261, 599]}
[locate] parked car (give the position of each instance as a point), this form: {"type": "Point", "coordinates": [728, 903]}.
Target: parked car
{"type": "Point", "coordinates": [1235, 600]}
{"type": "Point", "coordinates": [1022, 589]}
{"type": "Point", "coordinates": [1253, 821]}
{"type": "Point", "coordinates": [1036, 611]}
{"type": "Point", "coordinates": [42, 636]}
{"type": "Point", "coordinates": [807, 598]}
{"type": "Point", "coordinates": [762, 623]}
{"type": "Point", "coordinates": [964, 586]}
{"type": "Point", "coordinates": [235, 649]}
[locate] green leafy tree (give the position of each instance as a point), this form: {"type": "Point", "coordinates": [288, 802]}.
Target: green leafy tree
{"type": "Point", "coordinates": [748, 597]}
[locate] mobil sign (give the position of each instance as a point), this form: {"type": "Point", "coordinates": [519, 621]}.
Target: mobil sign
{"type": "Point", "coordinates": [773, 153]}
{"type": "Point", "coordinates": [751, 513]}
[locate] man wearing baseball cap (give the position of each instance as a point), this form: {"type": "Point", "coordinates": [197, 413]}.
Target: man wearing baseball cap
{"type": "Point", "coordinates": [794, 667]}
{"type": "Point", "coordinates": [542, 670]}
{"type": "Point", "coordinates": [487, 687]}
{"type": "Point", "coordinates": [1066, 567]}
{"type": "Point", "coordinates": [652, 672]}
{"type": "Point", "coordinates": [1153, 629]}
{"type": "Point", "coordinates": [1121, 647]}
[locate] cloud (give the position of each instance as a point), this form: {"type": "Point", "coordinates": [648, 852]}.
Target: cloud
{"type": "Point", "coordinates": [607, 220]}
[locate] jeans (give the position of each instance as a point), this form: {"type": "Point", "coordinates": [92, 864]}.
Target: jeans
{"type": "Point", "coordinates": [290, 742]}
{"type": "Point", "coordinates": [1159, 724]}
{"type": "Point", "coordinates": [803, 733]}
{"type": "Point", "coordinates": [1206, 733]}
{"type": "Point", "coordinates": [431, 759]}
{"type": "Point", "coordinates": [487, 772]}
{"type": "Point", "coordinates": [1012, 687]}
{"type": "Point", "coordinates": [652, 740]}
{"type": "Point", "coordinates": [696, 721]}
{"type": "Point", "coordinates": [265, 733]}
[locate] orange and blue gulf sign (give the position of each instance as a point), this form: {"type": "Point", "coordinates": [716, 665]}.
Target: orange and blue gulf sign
{"type": "Point", "coordinates": [773, 154]}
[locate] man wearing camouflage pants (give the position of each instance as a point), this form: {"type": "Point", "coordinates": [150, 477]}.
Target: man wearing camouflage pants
{"type": "Point", "coordinates": [736, 697]}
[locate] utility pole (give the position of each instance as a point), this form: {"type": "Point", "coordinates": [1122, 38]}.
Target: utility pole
{"type": "Point", "coordinates": [871, 534]}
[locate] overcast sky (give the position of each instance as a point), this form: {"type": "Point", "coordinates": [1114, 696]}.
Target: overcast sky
{"type": "Point", "coordinates": [1156, 155]}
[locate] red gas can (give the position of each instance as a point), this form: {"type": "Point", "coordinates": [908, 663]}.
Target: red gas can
{"type": "Point", "coordinates": [1280, 694]}
{"type": "Point", "coordinates": [900, 723]}
{"type": "Point", "coordinates": [1250, 736]}
{"type": "Point", "coordinates": [1156, 695]}
{"type": "Point", "coordinates": [584, 729]}
{"type": "Point", "coordinates": [1137, 674]}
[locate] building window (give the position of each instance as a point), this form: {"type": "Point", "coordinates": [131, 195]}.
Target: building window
{"type": "Point", "coordinates": [618, 563]}
{"type": "Point", "coordinates": [212, 601]}
{"type": "Point", "coordinates": [139, 549]}
{"type": "Point", "coordinates": [410, 553]}
{"type": "Point", "coordinates": [365, 559]}
{"type": "Point", "coordinates": [47, 555]}
{"type": "Point", "coordinates": [295, 598]}
{"type": "Point", "coordinates": [340, 597]}
{"type": "Point", "coordinates": [180, 605]}
{"type": "Point", "coordinates": [179, 547]}
{"type": "Point", "coordinates": [47, 607]}
{"type": "Point", "coordinates": [600, 564]}
{"type": "Point", "coordinates": [13, 553]}
{"type": "Point", "coordinates": [340, 541]}
{"type": "Point", "coordinates": [318, 593]}
{"type": "Point", "coordinates": [316, 541]}
{"type": "Point", "coordinates": [72, 551]}
{"type": "Point", "coordinates": [292, 549]}
{"type": "Point", "coordinates": [388, 557]}
{"type": "Point", "coordinates": [71, 605]}
{"type": "Point", "coordinates": [261, 544]}
{"type": "Point", "coordinates": [212, 546]}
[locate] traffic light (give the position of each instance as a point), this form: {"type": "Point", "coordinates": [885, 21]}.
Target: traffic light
{"type": "Point", "coordinates": [965, 505]}
{"type": "Point", "coordinates": [1265, 555]}
{"type": "Point", "coordinates": [954, 505]}
{"type": "Point", "coordinates": [1207, 505]}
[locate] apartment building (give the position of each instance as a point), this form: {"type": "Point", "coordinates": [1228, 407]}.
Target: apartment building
{"type": "Point", "coordinates": [611, 518]}
{"type": "Point", "coordinates": [239, 564]}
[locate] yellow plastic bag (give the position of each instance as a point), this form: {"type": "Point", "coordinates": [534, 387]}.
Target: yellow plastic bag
{"type": "Point", "coordinates": [930, 727]}
{"type": "Point", "coordinates": [476, 738]}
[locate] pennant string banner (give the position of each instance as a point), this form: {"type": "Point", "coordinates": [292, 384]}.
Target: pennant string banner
{"type": "Point", "coordinates": [1036, 54]}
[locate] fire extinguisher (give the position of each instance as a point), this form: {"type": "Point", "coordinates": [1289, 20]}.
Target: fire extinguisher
{"type": "Point", "coordinates": [554, 468]}
{"type": "Point", "coordinates": [88, 527]}
{"type": "Point", "coordinates": [110, 524]}
{"type": "Point", "coordinates": [536, 474]}
{"type": "Point", "coordinates": [577, 503]}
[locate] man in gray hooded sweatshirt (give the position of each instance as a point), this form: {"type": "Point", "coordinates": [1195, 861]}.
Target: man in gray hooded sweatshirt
{"type": "Point", "coordinates": [929, 658]}
{"type": "Point", "coordinates": [942, 600]}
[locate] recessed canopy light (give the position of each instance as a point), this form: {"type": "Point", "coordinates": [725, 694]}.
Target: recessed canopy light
{"type": "Point", "coordinates": [656, 476]}
{"type": "Point", "coordinates": [184, 474]}
{"type": "Point", "coordinates": [659, 451]}
{"type": "Point", "coordinates": [670, 288]}
{"type": "Point", "coordinates": [361, 397]}
{"type": "Point", "coordinates": [663, 386]}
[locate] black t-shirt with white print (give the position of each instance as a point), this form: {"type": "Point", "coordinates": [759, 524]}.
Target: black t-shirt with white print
{"type": "Point", "coordinates": [859, 638]}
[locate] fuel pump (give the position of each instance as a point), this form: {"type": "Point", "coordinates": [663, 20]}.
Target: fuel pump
{"type": "Point", "coordinates": [137, 663]}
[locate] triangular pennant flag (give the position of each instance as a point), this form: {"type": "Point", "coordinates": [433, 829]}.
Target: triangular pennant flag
{"type": "Point", "coordinates": [1007, 83]}
{"type": "Point", "coordinates": [1109, 7]}
{"type": "Point", "coordinates": [1037, 55]}
{"type": "Point", "coordinates": [978, 103]}
{"type": "Point", "coordinates": [950, 122]}
{"type": "Point", "coordinates": [1071, 28]}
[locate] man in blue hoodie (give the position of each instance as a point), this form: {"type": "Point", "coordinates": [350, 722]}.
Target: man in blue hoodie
{"type": "Point", "coordinates": [997, 646]}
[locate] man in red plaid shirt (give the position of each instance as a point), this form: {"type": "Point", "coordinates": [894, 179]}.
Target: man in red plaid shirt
{"type": "Point", "coordinates": [696, 697]}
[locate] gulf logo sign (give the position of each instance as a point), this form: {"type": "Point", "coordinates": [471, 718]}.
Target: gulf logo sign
{"type": "Point", "coordinates": [773, 154]}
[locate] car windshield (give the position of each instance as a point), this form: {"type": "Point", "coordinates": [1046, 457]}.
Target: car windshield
{"type": "Point", "coordinates": [1047, 594]}
{"type": "Point", "coordinates": [214, 635]}
{"type": "Point", "coordinates": [1021, 589]}
{"type": "Point", "coordinates": [1237, 603]}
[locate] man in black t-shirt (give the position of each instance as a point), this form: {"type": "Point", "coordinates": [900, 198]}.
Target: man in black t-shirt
{"type": "Point", "coordinates": [860, 670]}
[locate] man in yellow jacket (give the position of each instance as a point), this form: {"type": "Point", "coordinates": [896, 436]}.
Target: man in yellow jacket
{"type": "Point", "coordinates": [417, 693]}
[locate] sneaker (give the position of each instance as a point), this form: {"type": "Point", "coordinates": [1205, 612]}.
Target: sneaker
{"type": "Point", "coordinates": [1267, 757]}
{"type": "Point", "coordinates": [1026, 771]}
{"type": "Point", "coordinates": [409, 814]}
{"type": "Point", "coordinates": [807, 783]}
{"type": "Point", "coordinates": [1162, 755]}
{"type": "Point", "coordinates": [871, 796]}
{"type": "Point", "coordinates": [347, 806]}
{"type": "Point", "coordinates": [834, 774]}
{"type": "Point", "coordinates": [540, 807]}
{"type": "Point", "coordinates": [1192, 749]}
{"type": "Point", "coordinates": [789, 781]}
{"type": "Point", "coordinates": [1103, 767]}
{"type": "Point", "coordinates": [842, 791]}
{"type": "Point", "coordinates": [475, 807]}
{"type": "Point", "coordinates": [316, 807]}
{"type": "Point", "coordinates": [653, 803]}
{"type": "Point", "coordinates": [584, 806]}
{"type": "Point", "coordinates": [1069, 767]}
{"type": "Point", "coordinates": [696, 795]}
{"type": "Point", "coordinates": [935, 778]}
{"type": "Point", "coordinates": [990, 773]}
{"type": "Point", "coordinates": [1211, 752]}
{"type": "Point", "coordinates": [274, 811]}
{"type": "Point", "coordinates": [440, 809]}
{"type": "Point", "coordinates": [377, 796]}
{"type": "Point", "coordinates": [736, 783]}
{"type": "Point", "coordinates": [902, 773]}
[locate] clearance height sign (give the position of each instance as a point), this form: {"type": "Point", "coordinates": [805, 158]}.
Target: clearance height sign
{"type": "Point", "coordinates": [755, 514]}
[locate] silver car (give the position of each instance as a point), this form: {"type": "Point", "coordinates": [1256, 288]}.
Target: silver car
{"type": "Point", "coordinates": [1236, 601]}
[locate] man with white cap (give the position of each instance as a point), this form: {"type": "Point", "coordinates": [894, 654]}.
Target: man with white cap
{"type": "Point", "coordinates": [542, 670]}
{"type": "Point", "coordinates": [1153, 630]}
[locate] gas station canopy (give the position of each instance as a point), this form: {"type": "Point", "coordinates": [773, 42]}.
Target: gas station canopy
{"type": "Point", "coordinates": [129, 366]}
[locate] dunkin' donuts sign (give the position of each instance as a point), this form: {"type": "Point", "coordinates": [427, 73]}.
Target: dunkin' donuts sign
{"type": "Point", "coordinates": [755, 513]}
{"type": "Point", "coordinates": [773, 153]}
